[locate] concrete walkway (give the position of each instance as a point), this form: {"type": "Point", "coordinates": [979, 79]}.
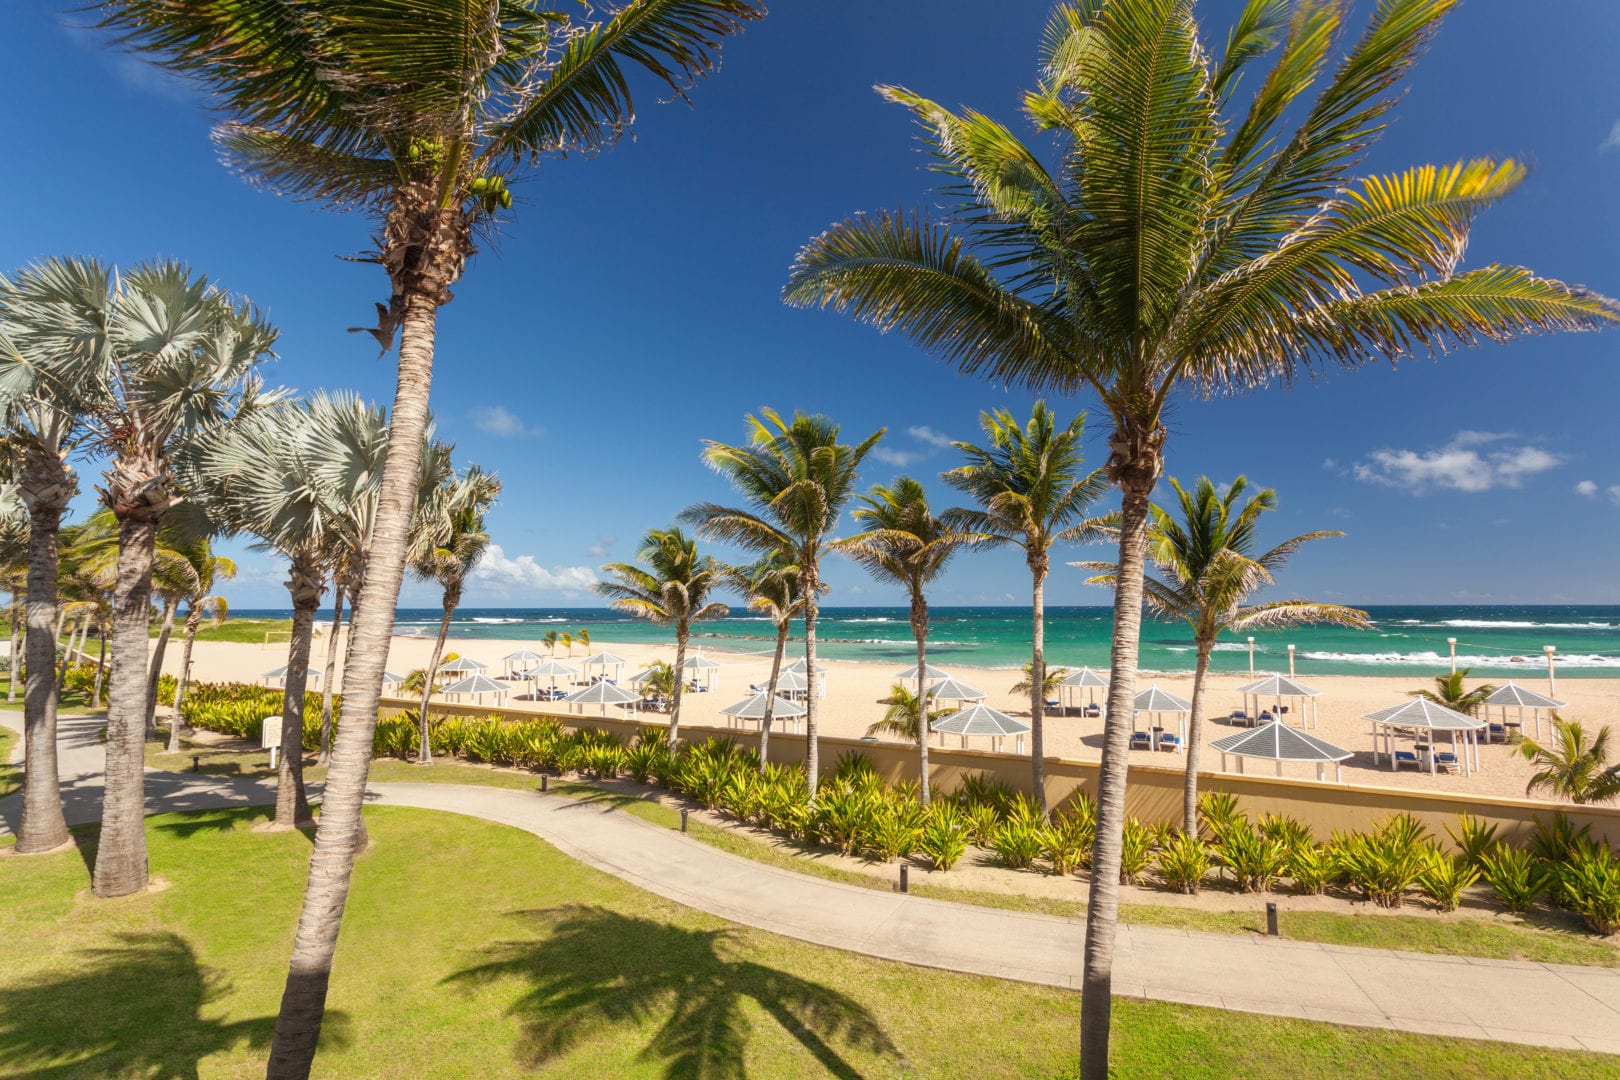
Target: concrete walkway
{"type": "Point", "coordinates": [1523, 1002]}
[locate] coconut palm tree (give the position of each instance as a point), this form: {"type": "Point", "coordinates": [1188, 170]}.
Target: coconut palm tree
{"type": "Point", "coordinates": [451, 545]}
{"type": "Point", "coordinates": [423, 115]}
{"type": "Point", "coordinates": [1051, 679]}
{"type": "Point", "coordinates": [549, 639]}
{"type": "Point", "coordinates": [43, 309]}
{"type": "Point", "coordinates": [903, 542]}
{"type": "Point", "coordinates": [671, 589]}
{"type": "Point", "coordinates": [1183, 240]}
{"type": "Point", "coordinates": [1032, 494]}
{"type": "Point", "coordinates": [901, 717]}
{"type": "Point", "coordinates": [568, 645]}
{"type": "Point", "coordinates": [771, 587]}
{"type": "Point", "coordinates": [1205, 553]}
{"type": "Point", "coordinates": [796, 477]}
{"type": "Point", "coordinates": [584, 639]}
{"type": "Point", "coordinates": [202, 604]}
{"type": "Point", "coordinates": [180, 549]}
{"type": "Point", "coordinates": [1450, 692]}
{"type": "Point", "coordinates": [661, 681]}
{"type": "Point", "coordinates": [1569, 767]}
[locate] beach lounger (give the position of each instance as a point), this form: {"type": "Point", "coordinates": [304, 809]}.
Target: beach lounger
{"type": "Point", "coordinates": [1092, 710]}
{"type": "Point", "coordinates": [1170, 742]}
{"type": "Point", "coordinates": [1141, 741]}
{"type": "Point", "coordinates": [1445, 759]}
{"type": "Point", "coordinates": [1496, 733]}
{"type": "Point", "coordinates": [1406, 757]}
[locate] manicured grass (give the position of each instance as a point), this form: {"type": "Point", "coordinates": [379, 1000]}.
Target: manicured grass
{"type": "Point", "coordinates": [502, 958]}
{"type": "Point", "coordinates": [10, 775]}
{"type": "Point", "coordinates": [67, 701]}
{"type": "Point", "coordinates": [251, 631]}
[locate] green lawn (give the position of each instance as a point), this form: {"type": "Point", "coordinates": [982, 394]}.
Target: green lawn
{"type": "Point", "coordinates": [10, 775]}
{"type": "Point", "coordinates": [251, 631]}
{"type": "Point", "coordinates": [475, 950]}
{"type": "Point", "coordinates": [67, 701]}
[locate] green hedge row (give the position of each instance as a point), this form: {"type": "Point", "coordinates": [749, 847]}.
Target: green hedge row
{"type": "Point", "coordinates": [239, 709]}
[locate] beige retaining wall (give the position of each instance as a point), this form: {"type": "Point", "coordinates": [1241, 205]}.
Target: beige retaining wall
{"type": "Point", "coordinates": [1154, 793]}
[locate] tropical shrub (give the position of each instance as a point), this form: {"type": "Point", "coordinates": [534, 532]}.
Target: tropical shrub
{"type": "Point", "coordinates": [1255, 859]}
{"type": "Point", "coordinates": [981, 822]}
{"type": "Point", "coordinates": [1311, 867]}
{"type": "Point", "coordinates": [1066, 839]}
{"type": "Point", "coordinates": [1472, 837]}
{"type": "Point", "coordinates": [1444, 877]}
{"type": "Point", "coordinates": [944, 834]}
{"type": "Point", "coordinates": [1591, 882]}
{"type": "Point", "coordinates": [1183, 862]}
{"type": "Point", "coordinates": [1516, 876]}
{"type": "Point", "coordinates": [896, 828]}
{"type": "Point", "coordinates": [840, 815]}
{"type": "Point", "coordinates": [856, 769]}
{"type": "Point", "coordinates": [1289, 831]}
{"type": "Point", "coordinates": [644, 759]}
{"type": "Point", "coordinates": [1218, 810]}
{"type": "Point", "coordinates": [1136, 851]}
{"type": "Point", "coordinates": [1556, 841]}
{"type": "Point", "coordinates": [1019, 839]}
{"type": "Point", "coordinates": [982, 789]}
{"type": "Point", "coordinates": [395, 736]}
{"type": "Point", "coordinates": [1385, 863]}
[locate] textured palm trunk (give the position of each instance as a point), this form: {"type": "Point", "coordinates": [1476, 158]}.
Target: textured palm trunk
{"type": "Point", "coordinates": [1037, 684]}
{"type": "Point", "coordinates": [157, 666]}
{"type": "Point", "coordinates": [810, 581]}
{"type": "Point", "coordinates": [101, 662]}
{"type": "Point", "coordinates": [770, 694]}
{"type": "Point", "coordinates": [1195, 733]}
{"type": "Point", "coordinates": [183, 683]}
{"type": "Point", "coordinates": [14, 657]}
{"type": "Point", "coordinates": [1136, 472]}
{"type": "Point", "coordinates": [42, 827]}
{"type": "Point", "coordinates": [919, 630]}
{"type": "Point", "coordinates": [305, 585]}
{"type": "Point", "coordinates": [303, 1001]}
{"type": "Point", "coordinates": [331, 671]}
{"type": "Point", "coordinates": [121, 866]}
{"type": "Point", "coordinates": [681, 635]}
{"type": "Point", "coordinates": [424, 752]}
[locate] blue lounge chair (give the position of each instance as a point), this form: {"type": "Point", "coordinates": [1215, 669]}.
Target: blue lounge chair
{"type": "Point", "coordinates": [1405, 757]}
{"type": "Point", "coordinates": [1141, 741]}
{"type": "Point", "coordinates": [1445, 759]}
{"type": "Point", "coordinates": [1169, 742]}
{"type": "Point", "coordinates": [1496, 733]}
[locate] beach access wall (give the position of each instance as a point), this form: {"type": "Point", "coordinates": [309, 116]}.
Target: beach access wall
{"type": "Point", "coordinates": [1154, 792]}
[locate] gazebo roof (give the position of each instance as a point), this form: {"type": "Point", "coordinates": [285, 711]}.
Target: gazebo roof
{"type": "Point", "coordinates": [1084, 677]}
{"type": "Point", "coordinates": [753, 707]}
{"type": "Point", "coordinates": [1278, 686]}
{"type": "Point", "coordinates": [1155, 700]}
{"type": "Point", "coordinates": [603, 693]}
{"type": "Point", "coordinates": [389, 677]}
{"type": "Point", "coordinates": [1514, 694]}
{"type": "Point", "coordinates": [798, 667]}
{"type": "Point", "coordinates": [953, 690]}
{"type": "Point", "coordinates": [476, 684]}
{"type": "Point", "coordinates": [698, 663]}
{"type": "Point", "coordinates": [281, 673]}
{"type": "Point", "coordinates": [791, 680]}
{"type": "Point", "coordinates": [1277, 741]}
{"type": "Point", "coordinates": [603, 659]}
{"type": "Point", "coordinates": [463, 663]}
{"type": "Point", "coordinates": [550, 667]}
{"type": "Point", "coordinates": [929, 672]}
{"type": "Point", "coordinates": [979, 720]}
{"type": "Point", "coordinates": [1423, 713]}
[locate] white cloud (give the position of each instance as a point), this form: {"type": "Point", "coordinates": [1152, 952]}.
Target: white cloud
{"type": "Point", "coordinates": [603, 545]}
{"type": "Point", "coordinates": [1614, 494]}
{"type": "Point", "coordinates": [925, 434]}
{"type": "Point", "coordinates": [898, 458]}
{"type": "Point", "coordinates": [501, 421]}
{"type": "Point", "coordinates": [1587, 488]}
{"type": "Point", "coordinates": [1613, 140]}
{"type": "Point", "coordinates": [497, 570]}
{"type": "Point", "coordinates": [1472, 461]}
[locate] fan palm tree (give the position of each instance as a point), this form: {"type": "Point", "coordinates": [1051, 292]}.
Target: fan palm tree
{"type": "Point", "coordinates": [452, 544]}
{"type": "Point", "coordinates": [905, 543]}
{"type": "Point", "coordinates": [771, 587]}
{"type": "Point", "coordinates": [1450, 692]}
{"type": "Point", "coordinates": [1569, 767]}
{"type": "Point", "coordinates": [41, 413]}
{"type": "Point", "coordinates": [796, 477]}
{"type": "Point", "coordinates": [1205, 554]}
{"type": "Point", "coordinates": [1183, 241]}
{"type": "Point", "coordinates": [1032, 495]}
{"type": "Point", "coordinates": [422, 115]}
{"type": "Point", "coordinates": [672, 589]}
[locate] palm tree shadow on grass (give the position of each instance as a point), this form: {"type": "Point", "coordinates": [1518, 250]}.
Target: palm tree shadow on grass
{"type": "Point", "coordinates": [600, 967]}
{"type": "Point", "coordinates": [133, 1009]}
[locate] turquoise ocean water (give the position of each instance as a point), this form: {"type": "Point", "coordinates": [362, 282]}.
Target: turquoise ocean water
{"type": "Point", "coordinates": [1496, 641]}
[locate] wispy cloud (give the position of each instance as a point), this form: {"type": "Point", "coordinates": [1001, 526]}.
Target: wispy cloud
{"type": "Point", "coordinates": [1612, 142]}
{"type": "Point", "coordinates": [1614, 494]}
{"type": "Point", "coordinates": [133, 72]}
{"type": "Point", "coordinates": [603, 545]}
{"type": "Point", "coordinates": [1471, 461]}
{"type": "Point", "coordinates": [898, 458]}
{"type": "Point", "coordinates": [497, 570]}
{"type": "Point", "coordinates": [500, 421]}
{"type": "Point", "coordinates": [925, 434]}
{"type": "Point", "coordinates": [1587, 488]}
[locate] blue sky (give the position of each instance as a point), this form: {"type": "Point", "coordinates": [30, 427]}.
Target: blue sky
{"type": "Point", "coordinates": [631, 307]}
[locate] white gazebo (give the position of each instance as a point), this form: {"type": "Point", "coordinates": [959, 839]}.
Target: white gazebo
{"type": "Point", "coordinates": [955, 690]}
{"type": "Point", "coordinates": [477, 687]}
{"type": "Point", "coordinates": [753, 708]}
{"type": "Point", "coordinates": [1278, 687]}
{"type": "Point", "coordinates": [460, 667]}
{"type": "Point", "coordinates": [550, 669]}
{"type": "Point", "coordinates": [799, 667]}
{"type": "Point", "coordinates": [1513, 696]}
{"type": "Point", "coordinates": [514, 659]}
{"type": "Point", "coordinates": [277, 677]}
{"type": "Point", "coordinates": [700, 663]}
{"type": "Point", "coordinates": [929, 672]}
{"type": "Point", "coordinates": [981, 719]}
{"type": "Point", "coordinates": [605, 660]}
{"type": "Point", "coordinates": [1076, 681]}
{"type": "Point", "coordinates": [1276, 741]}
{"type": "Point", "coordinates": [603, 694]}
{"type": "Point", "coordinates": [1156, 703]}
{"type": "Point", "coordinates": [391, 680]}
{"type": "Point", "coordinates": [1423, 715]}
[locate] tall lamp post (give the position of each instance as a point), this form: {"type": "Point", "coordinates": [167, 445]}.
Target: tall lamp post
{"type": "Point", "coordinates": [1251, 658]}
{"type": "Point", "coordinates": [1290, 661]}
{"type": "Point", "coordinates": [1552, 685]}
{"type": "Point", "coordinates": [1453, 643]}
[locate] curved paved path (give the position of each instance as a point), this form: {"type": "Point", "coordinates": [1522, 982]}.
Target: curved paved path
{"type": "Point", "coordinates": [1541, 1004]}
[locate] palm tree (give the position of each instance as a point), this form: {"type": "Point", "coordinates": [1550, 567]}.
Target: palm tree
{"type": "Point", "coordinates": [1032, 494]}
{"type": "Point", "coordinates": [452, 544]}
{"type": "Point", "coordinates": [584, 639]}
{"type": "Point", "coordinates": [1209, 571]}
{"type": "Point", "coordinates": [177, 558]}
{"type": "Point", "coordinates": [1193, 243]}
{"type": "Point", "coordinates": [771, 587]}
{"type": "Point", "coordinates": [41, 415]}
{"type": "Point", "coordinates": [568, 645]}
{"type": "Point", "coordinates": [1569, 768]}
{"type": "Point", "coordinates": [1450, 692]}
{"type": "Point", "coordinates": [903, 542]}
{"type": "Point", "coordinates": [422, 115]}
{"type": "Point", "coordinates": [661, 681]}
{"type": "Point", "coordinates": [549, 639]}
{"type": "Point", "coordinates": [901, 717]}
{"type": "Point", "coordinates": [1051, 679]}
{"type": "Point", "coordinates": [201, 604]}
{"type": "Point", "coordinates": [796, 479]}
{"type": "Point", "coordinates": [672, 589]}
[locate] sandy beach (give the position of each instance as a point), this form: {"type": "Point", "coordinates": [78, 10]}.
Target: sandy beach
{"type": "Point", "coordinates": [855, 690]}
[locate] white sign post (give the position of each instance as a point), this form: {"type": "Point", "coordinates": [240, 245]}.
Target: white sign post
{"type": "Point", "coordinates": [270, 738]}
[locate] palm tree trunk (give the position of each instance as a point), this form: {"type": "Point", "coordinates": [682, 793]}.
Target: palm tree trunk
{"type": "Point", "coordinates": [770, 694]}
{"type": "Point", "coordinates": [156, 672]}
{"type": "Point", "coordinates": [1102, 911]}
{"type": "Point", "coordinates": [193, 621]}
{"type": "Point", "coordinates": [919, 630]}
{"type": "Point", "coordinates": [121, 853]}
{"type": "Point", "coordinates": [681, 634]}
{"type": "Point", "coordinates": [1037, 686]}
{"type": "Point", "coordinates": [14, 657]}
{"type": "Point", "coordinates": [424, 753]}
{"type": "Point", "coordinates": [331, 673]}
{"type": "Point", "coordinates": [1195, 731]}
{"type": "Point", "coordinates": [303, 1001]}
{"type": "Point", "coordinates": [101, 662]}
{"type": "Point", "coordinates": [292, 801]}
{"type": "Point", "coordinates": [43, 826]}
{"type": "Point", "coordinates": [810, 581]}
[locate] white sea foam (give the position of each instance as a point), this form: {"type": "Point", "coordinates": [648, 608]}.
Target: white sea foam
{"type": "Point", "coordinates": [1514, 624]}
{"type": "Point", "coordinates": [1432, 659]}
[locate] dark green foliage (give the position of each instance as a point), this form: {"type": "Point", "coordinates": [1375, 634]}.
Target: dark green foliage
{"type": "Point", "coordinates": [1183, 862]}
{"type": "Point", "coordinates": [1516, 876]}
